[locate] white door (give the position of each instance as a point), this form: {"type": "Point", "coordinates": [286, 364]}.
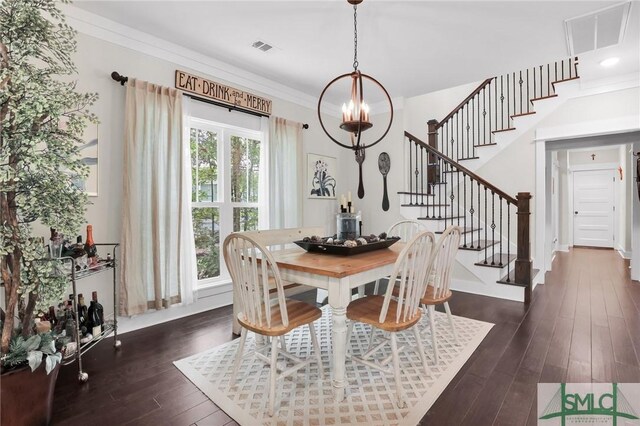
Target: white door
{"type": "Point", "coordinates": [593, 208]}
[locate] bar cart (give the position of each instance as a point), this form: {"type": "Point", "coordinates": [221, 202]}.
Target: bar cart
{"type": "Point", "coordinates": [110, 325]}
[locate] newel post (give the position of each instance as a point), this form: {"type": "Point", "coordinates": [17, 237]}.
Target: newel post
{"type": "Point", "coordinates": [432, 141]}
{"type": "Point", "coordinates": [523, 261]}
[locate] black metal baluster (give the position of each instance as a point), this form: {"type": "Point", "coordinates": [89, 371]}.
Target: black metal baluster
{"type": "Point", "coordinates": [555, 75]}
{"type": "Point", "coordinates": [508, 106]}
{"type": "Point", "coordinates": [501, 103]}
{"type": "Point", "coordinates": [416, 174]}
{"type": "Point", "coordinates": [528, 99]}
{"type": "Point", "coordinates": [493, 227]}
{"type": "Point", "coordinates": [440, 189]}
{"type": "Point", "coordinates": [548, 79]}
{"type": "Point", "coordinates": [508, 240]}
{"type": "Point", "coordinates": [457, 197]}
{"type": "Point", "coordinates": [473, 128]}
{"type": "Point", "coordinates": [534, 83]}
{"type": "Point", "coordinates": [410, 177]}
{"type": "Point", "coordinates": [486, 224]}
{"type": "Point", "coordinates": [464, 210]}
{"type": "Point", "coordinates": [514, 95]}
{"type": "Point", "coordinates": [562, 69]}
{"type": "Point", "coordinates": [467, 129]}
{"type": "Point", "coordinates": [478, 120]}
{"type": "Point", "coordinates": [457, 137]}
{"type": "Point", "coordinates": [422, 177]}
{"type": "Point", "coordinates": [520, 82]}
{"type": "Point", "coordinates": [500, 231]}
{"type": "Point", "coordinates": [495, 101]}
{"type": "Point", "coordinates": [479, 245]}
{"type": "Point", "coordinates": [471, 210]}
{"type": "Point", "coordinates": [541, 85]}
{"type": "Point", "coordinates": [484, 116]}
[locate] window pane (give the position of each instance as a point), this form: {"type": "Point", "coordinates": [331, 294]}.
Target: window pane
{"type": "Point", "coordinates": [206, 230]}
{"type": "Point", "coordinates": [204, 165]}
{"type": "Point", "coordinates": [245, 219]}
{"type": "Point", "coordinates": [245, 169]}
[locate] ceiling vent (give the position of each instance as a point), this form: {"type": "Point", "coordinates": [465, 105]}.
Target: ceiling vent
{"type": "Point", "coordinates": [260, 45]}
{"type": "Point", "coordinates": [602, 28]}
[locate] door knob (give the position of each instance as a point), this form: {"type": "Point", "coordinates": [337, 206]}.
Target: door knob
{"type": "Point", "coordinates": [575, 212]}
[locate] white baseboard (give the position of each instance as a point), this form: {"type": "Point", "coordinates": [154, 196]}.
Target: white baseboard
{"type": "Point", "coordinates": [563, 247]}
{"type": "Point", "coordinates": [208, 299]}
{"type": "Point", "coordinates": [500, 291]}
{"type": "Point", "coordinates": [625, 254]}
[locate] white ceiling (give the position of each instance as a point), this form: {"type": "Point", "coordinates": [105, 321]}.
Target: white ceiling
{"type": "Point", "coordinates": [411, 47]}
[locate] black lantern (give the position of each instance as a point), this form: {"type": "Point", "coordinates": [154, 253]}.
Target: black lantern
{"type": "Point", "coordinates": [356, 117]}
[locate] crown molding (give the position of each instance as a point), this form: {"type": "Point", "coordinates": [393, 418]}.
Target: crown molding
{"type": "Point", "coordinates": [105, 29]}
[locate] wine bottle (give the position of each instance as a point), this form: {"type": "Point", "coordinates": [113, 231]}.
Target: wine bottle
{"type": "Point", "coordinates": [70, 325]}
{"type": "Point", "coordinates": [82, 314]}
{"type": "Point", "coordinates": [90, 247]}
{"type": "Point", "coordinates": [100, 309]}
{"type": "Point", "coordinates": [94, 318]}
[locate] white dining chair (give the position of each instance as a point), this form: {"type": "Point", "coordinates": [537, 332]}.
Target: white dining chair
{"type": "Point", "coordinates": [255, 275]}
{"type": "Point", "coordinates": [394, 314]}
{"type": "Point", "coordinates": [438, 287]}
{"type": "Point", "coordinates": [405, 229]}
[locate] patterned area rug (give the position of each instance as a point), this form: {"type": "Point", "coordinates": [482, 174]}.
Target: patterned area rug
{"type": "Point", "coordinates": [304, 399]}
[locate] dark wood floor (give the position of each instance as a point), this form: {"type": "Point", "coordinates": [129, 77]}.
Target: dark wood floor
{"type": "Point", "coordinates": [582, 326]}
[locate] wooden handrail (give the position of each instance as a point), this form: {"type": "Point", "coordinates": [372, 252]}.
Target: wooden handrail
{"type": "Point", "coordinates": [463, 103]}
{"type": "Point", "coordinates": [463, 169]}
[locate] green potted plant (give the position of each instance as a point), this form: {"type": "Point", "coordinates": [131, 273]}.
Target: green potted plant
{"type": "Point", "coordinates": [42, 119]}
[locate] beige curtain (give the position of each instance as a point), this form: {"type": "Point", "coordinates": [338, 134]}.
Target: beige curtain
{"type": "Point", "coordinates": [158, 250]}
{"type": "Point", "coordinates": [285, 173]}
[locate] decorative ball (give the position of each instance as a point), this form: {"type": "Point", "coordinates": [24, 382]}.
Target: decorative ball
{"type": "Point", "coordinates": [383, 236]}
{"type": "Point", "coordinates": [350, 243]}
{"type": "Point", "coordinates": [329, 240]}
{"type": "Point", "coordinates": [361, 241]}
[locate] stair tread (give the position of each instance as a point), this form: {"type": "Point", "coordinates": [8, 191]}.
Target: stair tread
{"type": "Point", "coordinates": [424, 205]}
{"type": "Point", "coordinates": [426, 194]}
{"type": "Point", "coordinates": [478, 245]}
{"type": "Point", "coordinates": [508, 129]}
{"type": "Point", "coordinates": [440, 218]}
{"type": "Point", "coordinates": [543, 97]}
{"type": "Point", "coordinates": [564, 80]}
{"type": "Point", "coordinates": [468, 158]}
{"type": "Point", "coordinates": [511, 275]}
{"type": "Point", "coordinates": [523, 114]}
{"type": "Point", "coordinates": [495, 260]}
{"type": "Point", "coordinates": [485, 144]}
{"type": "Point", "coordinates": [463, 230]}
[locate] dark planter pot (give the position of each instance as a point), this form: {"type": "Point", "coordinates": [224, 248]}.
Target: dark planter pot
{"type": "Point", "coordinates": [27, 398]}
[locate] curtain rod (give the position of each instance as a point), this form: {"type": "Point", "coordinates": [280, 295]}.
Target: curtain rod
{"type": "Point", "coordinates": [116, 76]}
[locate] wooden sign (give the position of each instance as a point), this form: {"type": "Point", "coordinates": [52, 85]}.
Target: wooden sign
{"type": "Point", "coordinates": [221, 93]}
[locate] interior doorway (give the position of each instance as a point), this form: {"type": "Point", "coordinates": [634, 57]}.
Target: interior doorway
{"type": "Point", "coordinates": [594, 206]}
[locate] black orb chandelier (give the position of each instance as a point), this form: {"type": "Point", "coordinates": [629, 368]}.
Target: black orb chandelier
{"type": "Point", "coordinates": [356, 116]}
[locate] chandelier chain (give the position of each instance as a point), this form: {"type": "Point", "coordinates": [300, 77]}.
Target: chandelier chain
{"type": "Point", "coordinates": [355, 37]}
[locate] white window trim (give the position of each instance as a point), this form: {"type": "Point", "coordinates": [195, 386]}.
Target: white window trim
{"type": "Point", "coordinates": [224, 203]}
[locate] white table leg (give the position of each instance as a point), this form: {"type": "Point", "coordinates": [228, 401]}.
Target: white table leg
{"type": "Point", "coordinates": [339, 298]}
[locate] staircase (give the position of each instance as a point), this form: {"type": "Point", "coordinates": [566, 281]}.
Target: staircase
{"type": "Point", "coordinates": [444, 190]}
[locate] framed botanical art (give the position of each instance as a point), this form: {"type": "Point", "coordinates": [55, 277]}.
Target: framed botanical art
{"type": "Point", "coordinates": [321, 176]}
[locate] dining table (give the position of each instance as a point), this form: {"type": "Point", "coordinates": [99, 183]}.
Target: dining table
{"type": "Point", "coordinates": [338, 275]}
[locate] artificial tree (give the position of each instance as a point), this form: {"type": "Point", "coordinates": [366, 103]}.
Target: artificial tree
{"type": "Point", "coordinates": [42, 119]}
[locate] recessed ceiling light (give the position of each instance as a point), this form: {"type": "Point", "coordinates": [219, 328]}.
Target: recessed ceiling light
{"type": "Point", "coordinates": [610, 62]}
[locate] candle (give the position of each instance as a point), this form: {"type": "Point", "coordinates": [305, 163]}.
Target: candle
{"type": "Point", "coordinates": [349, 195]}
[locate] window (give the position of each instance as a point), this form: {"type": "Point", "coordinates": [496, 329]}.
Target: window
{"type": "Point", "coordinates": [226, 180]}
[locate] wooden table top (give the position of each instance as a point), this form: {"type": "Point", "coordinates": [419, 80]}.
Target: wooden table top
{"type": "Point", "coordinates": [335, 266]}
